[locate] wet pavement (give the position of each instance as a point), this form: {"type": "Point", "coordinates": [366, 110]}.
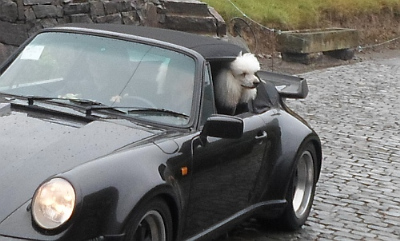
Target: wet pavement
{"type": "Point", "coordinates": [356, 111]}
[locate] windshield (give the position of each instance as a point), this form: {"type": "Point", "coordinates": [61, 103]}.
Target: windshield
{"type": "Point", "coordinates": [113, 72]}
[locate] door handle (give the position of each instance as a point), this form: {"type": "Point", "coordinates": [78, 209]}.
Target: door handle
{"type": "Point", "coordinates": [261, 135]}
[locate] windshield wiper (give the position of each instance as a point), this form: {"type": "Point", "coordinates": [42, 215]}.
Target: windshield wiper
{"type": "Point", "coordinates": [136, 110]}
{"type": "Point", "coordinates": [32, 99]}
{"type": "Point", "coordinates": [158, 111]}
{"type": "Point", "coordinates": [94, 105]}
{"type": "Point", "coordinates": [90, 104]}
{"type": "Point", "coordinates": [86, 102]}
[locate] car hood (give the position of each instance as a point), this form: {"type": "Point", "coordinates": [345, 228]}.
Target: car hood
{"type": "Point", "coordinates": [33, 149]}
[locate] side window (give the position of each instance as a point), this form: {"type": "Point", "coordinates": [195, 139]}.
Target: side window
{"type": "Point", "coordinates": [208, 105]}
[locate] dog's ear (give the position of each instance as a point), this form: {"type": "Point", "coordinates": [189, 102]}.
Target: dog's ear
{"type": "Point", "coordinates": [240, 54]}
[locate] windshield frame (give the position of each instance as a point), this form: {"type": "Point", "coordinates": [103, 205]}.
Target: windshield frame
{"type": "Point", "coordinates": [195, 56]}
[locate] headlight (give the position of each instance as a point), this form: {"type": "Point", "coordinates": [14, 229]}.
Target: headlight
{"type": "Point", "coordinates": [53, 203]}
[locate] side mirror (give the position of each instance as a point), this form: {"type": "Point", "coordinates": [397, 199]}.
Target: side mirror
{"type": "Point", "coordinates": [222, 126]}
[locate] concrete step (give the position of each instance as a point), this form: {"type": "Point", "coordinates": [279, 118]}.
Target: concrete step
{"type": "Point", "coordinates": [307, 46]}
{"type": "Point", "coordinates": [317, 40]}
{"type": "Point", "coordinates": [193, 24]}
{"type": "Point", "coordinates": [186, 7]}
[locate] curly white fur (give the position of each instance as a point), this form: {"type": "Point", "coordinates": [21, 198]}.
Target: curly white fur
{"type": "Point", "coordinates": [237, 84]}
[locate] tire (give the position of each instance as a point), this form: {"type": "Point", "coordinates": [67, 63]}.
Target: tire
{"type": "Point", "coordinates": [151, 222]}
{"type": "Point", "coordinates": [300, 195]}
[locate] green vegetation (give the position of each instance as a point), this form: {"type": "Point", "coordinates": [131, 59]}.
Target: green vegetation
{"type": "Point", "coordinates": [298, 14]}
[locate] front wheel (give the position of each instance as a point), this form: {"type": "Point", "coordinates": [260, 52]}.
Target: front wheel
{"type": "Point", "coordinates": [152, 222]}
{"type": "Point", "coordinates": [300, 195]}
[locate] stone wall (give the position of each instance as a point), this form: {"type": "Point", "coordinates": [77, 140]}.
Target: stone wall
{"type": "Point", "coordinates": [19, 19]}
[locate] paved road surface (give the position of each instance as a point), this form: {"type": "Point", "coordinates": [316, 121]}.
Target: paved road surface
{"type": "Point", "coordinates": [356, 111]}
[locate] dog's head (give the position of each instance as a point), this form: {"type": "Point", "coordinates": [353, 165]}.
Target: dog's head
{"type": "Point", "coordinates": [244, 68]}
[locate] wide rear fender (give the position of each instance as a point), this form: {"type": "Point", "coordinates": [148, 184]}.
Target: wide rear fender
{"type": "Point", "coordinates": [293, 135]}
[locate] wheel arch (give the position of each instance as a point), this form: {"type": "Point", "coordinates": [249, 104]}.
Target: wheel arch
{"type": "Point", "coordinates": [318, 149]}
{"type": "Point", "coordinates": [175, 212]}
{"type": "Point", "coordinates": [301, 189]}
{"type": "Point", "coordinates": [312, 139]}
{"type": "Point", "coordinates": [278, 182]}
{"type": "Point", "coordinates": [166, 194]}
{"type": "Point", "coordinates": [285, 165]}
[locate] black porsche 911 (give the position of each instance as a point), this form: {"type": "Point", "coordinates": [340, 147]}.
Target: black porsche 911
{"type": "Point", "coordinates": [111, 132]}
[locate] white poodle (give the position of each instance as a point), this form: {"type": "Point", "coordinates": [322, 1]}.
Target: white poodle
{"type": "Point", "coordinates": [236, 84]}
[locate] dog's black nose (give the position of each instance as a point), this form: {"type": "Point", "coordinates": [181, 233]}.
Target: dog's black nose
{"type": "Point", "coordinates": [256, 83]}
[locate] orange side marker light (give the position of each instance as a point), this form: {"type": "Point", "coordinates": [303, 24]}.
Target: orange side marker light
{"type": "Point", "coordinates": [184, 171]}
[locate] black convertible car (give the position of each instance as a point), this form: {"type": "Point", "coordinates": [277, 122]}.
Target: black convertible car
{"type": "Point", "coordinates": [110, 132]}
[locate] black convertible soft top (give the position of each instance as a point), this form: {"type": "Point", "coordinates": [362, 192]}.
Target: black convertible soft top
{"type": "Point", "coordinates": [210, 48]}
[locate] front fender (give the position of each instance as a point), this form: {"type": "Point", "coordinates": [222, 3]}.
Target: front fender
{"type": "Point", "coordinates": [107, 190]}
{"type": "Point", "coordinates": [112, 186]}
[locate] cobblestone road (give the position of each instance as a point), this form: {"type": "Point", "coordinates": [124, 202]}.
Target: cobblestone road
{"type": "Point", "coordinates": [356, 110]}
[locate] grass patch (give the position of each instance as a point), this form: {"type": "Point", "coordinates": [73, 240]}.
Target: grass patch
{"type": "Point", "coordinates": [300, 14]}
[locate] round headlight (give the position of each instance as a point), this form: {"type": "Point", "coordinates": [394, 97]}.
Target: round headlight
{"type": "Point", "coordinates": [53, 203]}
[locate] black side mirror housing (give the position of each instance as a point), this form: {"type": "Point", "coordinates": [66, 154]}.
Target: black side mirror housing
{"type": "Point", "coordinates": [222, 126]}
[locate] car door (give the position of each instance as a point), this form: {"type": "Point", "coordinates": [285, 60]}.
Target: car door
{"type": "Point", "coordinates": [225, 175]}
